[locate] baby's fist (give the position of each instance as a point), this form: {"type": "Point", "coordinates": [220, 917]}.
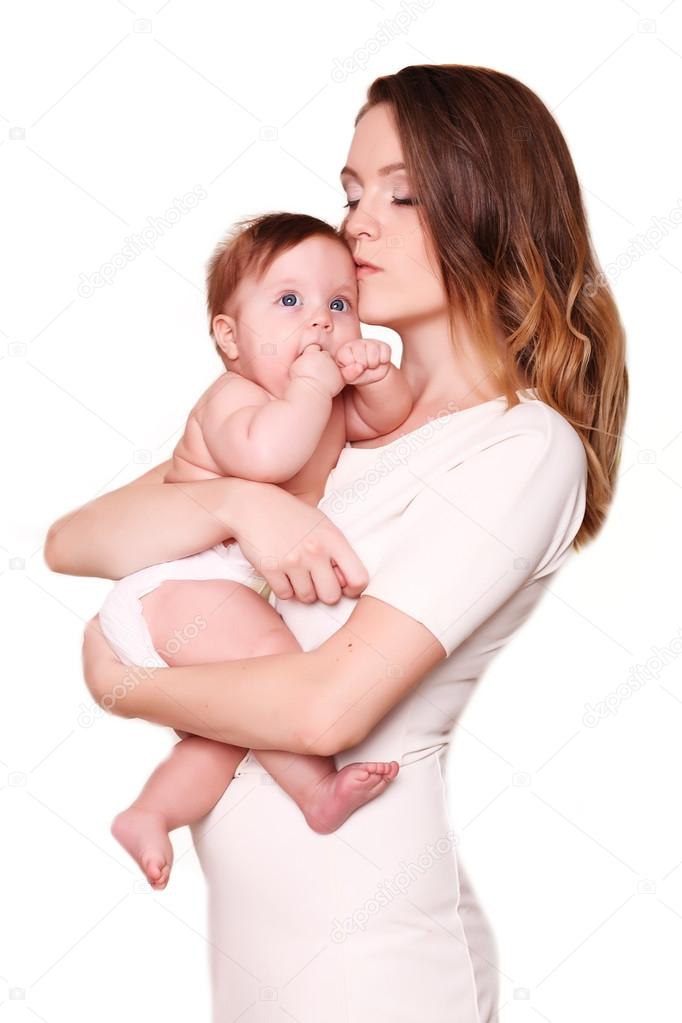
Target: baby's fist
{"type": "Point", "coordinates": [363, 361]}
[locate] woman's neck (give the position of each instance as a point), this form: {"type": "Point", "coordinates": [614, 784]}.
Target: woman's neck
{"type": "Point", "coordinates": [439, 371]}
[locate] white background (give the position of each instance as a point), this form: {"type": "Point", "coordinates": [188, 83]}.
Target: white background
{"type": "Point", "coordinates": [571, 832]}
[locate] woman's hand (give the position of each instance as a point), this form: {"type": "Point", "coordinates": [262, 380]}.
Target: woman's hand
{"type": "Point", "coordinates": [295, 547]}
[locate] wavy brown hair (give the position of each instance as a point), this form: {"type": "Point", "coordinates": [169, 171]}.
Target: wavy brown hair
{"type": "Point", "coordinates": [498, 195]}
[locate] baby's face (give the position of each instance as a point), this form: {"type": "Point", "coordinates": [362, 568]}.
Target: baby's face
{"type": "Point", "coordinates": [308, 295]}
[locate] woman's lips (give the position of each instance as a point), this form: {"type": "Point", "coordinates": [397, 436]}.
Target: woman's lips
{"type": "Point", "coordinates": [366, 271]}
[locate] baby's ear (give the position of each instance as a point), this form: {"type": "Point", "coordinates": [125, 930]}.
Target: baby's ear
{"type": "Point", "coordinates": [225, 334]}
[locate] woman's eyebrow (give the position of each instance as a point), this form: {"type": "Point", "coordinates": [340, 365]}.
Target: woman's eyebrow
{"type": "Point", "coordinates": [383, 171]}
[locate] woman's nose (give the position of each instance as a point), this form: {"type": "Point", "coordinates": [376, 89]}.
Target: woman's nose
{"type": "Point", "coordinates": [361, 224]}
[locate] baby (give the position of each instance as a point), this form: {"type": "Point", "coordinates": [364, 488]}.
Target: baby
{"type": "Point", "coordinates": [299, 383]}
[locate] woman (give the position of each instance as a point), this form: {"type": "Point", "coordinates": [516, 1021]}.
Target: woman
{"type": "Point", "coordinates": [462, 193]}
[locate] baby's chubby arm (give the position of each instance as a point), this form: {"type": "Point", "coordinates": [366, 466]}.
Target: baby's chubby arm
{"type": "Point", "coordinates": [268, 439]}
{"type": "Point", "coordinates": [379, 398]}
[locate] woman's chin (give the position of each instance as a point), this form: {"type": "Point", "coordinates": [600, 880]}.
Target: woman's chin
{"type": "Point", "coordinates": [373, 314]}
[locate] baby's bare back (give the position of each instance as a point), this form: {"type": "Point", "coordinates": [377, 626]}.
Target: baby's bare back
{"type": "Point", "coordinates": [193, 459]}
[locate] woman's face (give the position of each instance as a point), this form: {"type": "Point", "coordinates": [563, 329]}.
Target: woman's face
{"type": "Point", "coordinates": [385, 230]}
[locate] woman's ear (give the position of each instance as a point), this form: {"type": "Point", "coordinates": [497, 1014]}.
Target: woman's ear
{"type": "Point", "coordinates": [225, 334]}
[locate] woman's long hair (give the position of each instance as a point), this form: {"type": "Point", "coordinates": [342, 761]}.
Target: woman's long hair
{"type": "Point", "coordinates": [499, 197]}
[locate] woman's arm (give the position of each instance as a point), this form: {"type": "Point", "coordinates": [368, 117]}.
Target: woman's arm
{"type": "Point", "coordinates": [142, 523]}
{"type": "Point", "coordinates": [298, 550]}
{"type": "Point", "coordinates": [321, 701]}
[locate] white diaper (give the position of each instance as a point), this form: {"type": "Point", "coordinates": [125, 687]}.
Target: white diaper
{"type": "Point", "coordinates": [121, 617]}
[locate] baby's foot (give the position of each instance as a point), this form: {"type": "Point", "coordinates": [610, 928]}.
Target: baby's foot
{"type": "Point", "coordinates": [142, 833]}
{"type": "Point", "coordinates": [341, 792]}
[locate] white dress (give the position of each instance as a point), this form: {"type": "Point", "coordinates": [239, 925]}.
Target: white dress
{"type": "Point", "coordinates": [457, 523]}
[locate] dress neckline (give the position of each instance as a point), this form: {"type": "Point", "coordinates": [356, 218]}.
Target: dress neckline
{"type": "Point", "coordinates": [446, 416]}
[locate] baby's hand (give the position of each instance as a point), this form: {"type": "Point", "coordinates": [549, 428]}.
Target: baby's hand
{"type": "Point", "coordinates": [363, 361]}
{"type": "Point", "coordinates": [318, 367]}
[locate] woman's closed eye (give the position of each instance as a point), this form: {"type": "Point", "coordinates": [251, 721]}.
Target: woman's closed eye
{"type": "Point", "coordinates": [395, 201]}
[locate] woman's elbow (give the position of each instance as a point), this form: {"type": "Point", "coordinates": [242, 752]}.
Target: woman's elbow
{"type": "Point", "coordinates": [329, 731]}
{"type": "Point", "coordinates": [52, 552]}
{"type": "Point", "coordinates": [62, 549]}
{"type": "Point", "coordinates": [112, 700]}
{"type": "Point", "coordinates": [113, 694]}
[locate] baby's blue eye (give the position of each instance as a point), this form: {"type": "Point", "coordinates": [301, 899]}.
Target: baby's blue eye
{"type": "Point", "coordinates": [289, 294]}
{"type": "Point", "coordinates": [339, 300]}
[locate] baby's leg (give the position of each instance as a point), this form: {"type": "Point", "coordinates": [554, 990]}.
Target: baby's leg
{"type": "Point", "coordinates": [236, 622]}
{"type": "Point", "coordinates": [188, 784]}
{"type": "Point", "coordinates": [326, 796]}
{"type": "Point", "coordinates": [239, 623]}
{"type": "Point", "coordinates": [181, 790]}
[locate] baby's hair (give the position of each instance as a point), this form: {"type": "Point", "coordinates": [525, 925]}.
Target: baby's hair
{"type": "Point", "coordinates": [251, 246]}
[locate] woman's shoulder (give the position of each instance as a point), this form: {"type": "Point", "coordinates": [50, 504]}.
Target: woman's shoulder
{"type": "Point", "coordinates": [547, 426]}
{"type": "Point", "coordinates": [534, 429]}
{"type": "Point", "coordinates": [528, 447]}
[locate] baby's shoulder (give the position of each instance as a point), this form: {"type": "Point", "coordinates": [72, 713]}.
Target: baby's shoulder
{"type": "Point", "coordinates": [228, 393]}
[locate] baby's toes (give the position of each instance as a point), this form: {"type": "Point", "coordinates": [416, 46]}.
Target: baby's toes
{"type": "Point", "coordinates": [152, 866]}
{"type": "Point", "coordinates": [163, 879]}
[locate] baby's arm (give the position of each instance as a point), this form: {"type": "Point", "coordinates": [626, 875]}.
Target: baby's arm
{"type": "Point", "coordinates": [379, 398]}
{"type": "Point", "coordinates": [264, 439]}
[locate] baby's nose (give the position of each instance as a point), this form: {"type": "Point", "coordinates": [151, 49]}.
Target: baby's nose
{"type": "Point", "coordinates": [322, 318]}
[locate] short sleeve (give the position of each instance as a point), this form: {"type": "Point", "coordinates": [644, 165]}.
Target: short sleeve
{"type": "Point", "coordinates": [476, 533]}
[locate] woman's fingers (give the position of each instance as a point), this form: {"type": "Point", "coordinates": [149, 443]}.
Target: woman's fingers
{"type": "Point", "coordinates": [278, 583]}
{"type": "Point", "coordinates": [287, 541]}
{"type": "Point", "coordinates": [351, 568]}
{"type": "Point", "coordinates": [304, 587]}
{"type": "Point", "coordinates": [328, 581]}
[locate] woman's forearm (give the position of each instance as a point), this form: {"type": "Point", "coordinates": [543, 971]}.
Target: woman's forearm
{"type": "Point", "coordinates": [140, 524]}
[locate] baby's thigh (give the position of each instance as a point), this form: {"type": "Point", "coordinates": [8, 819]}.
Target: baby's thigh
{"type": "Point", "coordinates": [207, 620]}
